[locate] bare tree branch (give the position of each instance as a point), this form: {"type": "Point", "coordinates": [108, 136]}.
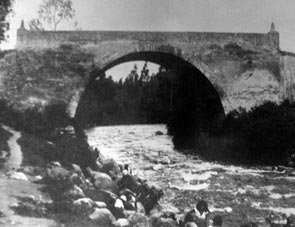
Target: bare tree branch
{"type": "Point", "coordinates": [53, 12]}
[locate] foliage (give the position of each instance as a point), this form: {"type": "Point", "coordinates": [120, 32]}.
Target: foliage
{"type": "Point", "coordinates": [52, 13]}
{"type": "Point", "coordinates": [5, 9]}
{"type": "Point", "coordinates": [36, 25]}
{"type": "Point", "coordinates": [44, 124]}
{"type": "Point", "coordinates": [147, 99]}
{"type": "Point", "coordinates": [48, 125]}
{"type": "Point", "coordinates": [264, 135]}
{"type": "Point", "coordinates": [71, 149]}
{"type": "Point", "coordinates": [138, 99]}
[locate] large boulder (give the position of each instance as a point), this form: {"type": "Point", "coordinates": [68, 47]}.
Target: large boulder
{"type": "Point", "coordinates": [138, 219]}
{"type": "Point", "coordinates": [99, 204]}
{"type": "Point", "coordinates": [111, 168]}
{"type": "Point", "coordinates": [19, 176]}
{"type": "Point", "coordinates": [168, 210]}
{"type": "Point", "coordinates": [102, 181]}
{"type": "Point", "coordinates": [122, 222]}
{"type": "Point", "coordinates": [73, 193]}
{"type": "Point", "coordinates": [101, 195]}
{"type": "Point", "coordinates": [157, 220]}
{"type": "Point", "coordinates": [56, 174]}
{"type": "Point", "coordinates": [191, 224]}
{"type": "Point", "coordinates": [65, 184]}
{"type": "Point", "coordinates": [77, 169]}
{"type": "Point", "coordinates": [140, 208]}
{"type": "Point", "coordinates": [103, 217]}
{"type": "Point", "coordinates": [83, 205]}
{"type": "Point", "coordinates": [79, 180]}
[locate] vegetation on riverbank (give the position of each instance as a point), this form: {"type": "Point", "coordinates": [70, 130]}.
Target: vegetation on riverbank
{"type": "Point", "coordinates": [140, 98]}
{"type": "Point", "coordinates": [4, 148]}
{"type": "Point", "coordinates": [55, 138]}
{"type": "Point", "coordinates": [43, 124]}
{"type": "Point", "coordinates": [264, 135]}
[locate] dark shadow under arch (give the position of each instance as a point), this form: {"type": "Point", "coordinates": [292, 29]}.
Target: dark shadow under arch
{"type": "Point", "coordinates": [196, 106]}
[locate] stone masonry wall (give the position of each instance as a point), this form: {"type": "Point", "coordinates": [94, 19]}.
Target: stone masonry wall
{"type": "Point", "coordinates": [287, 67]}
{"type": "Point", "coordinates": [47, 39]}
{"type": "Point", "coordinates": [247, 69]}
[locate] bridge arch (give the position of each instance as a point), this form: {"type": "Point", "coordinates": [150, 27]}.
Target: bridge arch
{"type": "Point", "coordinates": [195, 87]}
{"type": "Point", "coordinates": [114, 51]}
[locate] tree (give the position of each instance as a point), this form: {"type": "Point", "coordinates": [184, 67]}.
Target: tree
{"type": "Point", "coordinates": [53, 12]}
{"type": "Point", "coordinates": [5, 9]}
{"type": "Point", "coordinates": [144, 77]}
{"type": "Point", "coordinates": [36, 25]}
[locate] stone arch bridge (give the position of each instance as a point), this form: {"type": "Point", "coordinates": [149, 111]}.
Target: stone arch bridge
{"type": "Point", "coordinates": [233, 69]}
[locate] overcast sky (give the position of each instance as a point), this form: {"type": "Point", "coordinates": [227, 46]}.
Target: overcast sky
{"type": "Point", "coordinates": [173, 15]}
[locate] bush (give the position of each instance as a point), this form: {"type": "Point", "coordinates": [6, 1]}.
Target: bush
{"type": "Point", "coordinates": [264, 135]}
{"type": "Point", "coordinates": [42, 124]}
{"type": "Point", "coordinates": [48, 125]}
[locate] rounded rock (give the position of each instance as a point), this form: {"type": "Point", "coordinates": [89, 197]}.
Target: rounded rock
{"type": "Point", "coordinates": [83, 205]}
{"type": "Point", "coordinates": [99, 204]}
{"type": "Point", "coordinates": [102, 216]}
{"type": "Point", "coordinates": [19, 176]}
{"type": "Point", "coordinates": [122, 222]}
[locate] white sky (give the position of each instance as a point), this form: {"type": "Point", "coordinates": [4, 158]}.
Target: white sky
{"type": "Point", "coordinates": [123, 70]}
{"type": "Point", "coordinates": [173, 15]}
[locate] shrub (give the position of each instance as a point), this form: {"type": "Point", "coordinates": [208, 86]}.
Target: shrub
{"type": "Point", "coordinates": [42, 124]}
{"type": "Point", "coordinates": [264, 135]}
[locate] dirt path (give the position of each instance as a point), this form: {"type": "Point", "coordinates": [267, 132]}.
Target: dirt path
{"type": "Point", "coordinates": [11, 190]}
{"type": "Point", "coordinates": [15, 159]}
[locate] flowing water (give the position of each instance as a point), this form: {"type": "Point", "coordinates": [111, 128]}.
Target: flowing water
{"type": "Point", "coordinates": [238, 193]}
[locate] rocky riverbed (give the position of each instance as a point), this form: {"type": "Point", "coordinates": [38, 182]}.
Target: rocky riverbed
{"type": "Point", "coordinates": [240, 194]}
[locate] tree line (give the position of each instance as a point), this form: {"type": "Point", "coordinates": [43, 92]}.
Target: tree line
{"type": "Point", "coordinates": [140, 98]}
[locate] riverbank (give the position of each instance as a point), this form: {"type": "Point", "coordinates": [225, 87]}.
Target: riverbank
{"type": "Point", "coordinates": [239, 193]}
{"type": "Point", "coordinates": [4, 148]}
{"type": "Point", "coordinates": [55, 195]}
{"type": "Point", "coordinates": [17, 183]}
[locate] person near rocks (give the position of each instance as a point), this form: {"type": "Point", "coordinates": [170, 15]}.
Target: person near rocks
{"type": "Point", "coordinates": [126, 170]}
{"type": "Point", "coordinates": [202, 209]}
{"type": "Point", "coordinates": [129, 199]}
{"type": "Point", "coordinates": [128, 182]}
{"type": "Point", "coordinates": [96, 153]}
{"type": "Point", "coordinates": [198, 215]}
{"type": "Point", "coordinates": [189, 219]}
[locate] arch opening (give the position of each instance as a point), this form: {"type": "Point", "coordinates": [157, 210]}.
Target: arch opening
{"type": "Point", "coordinates": [194, 105]}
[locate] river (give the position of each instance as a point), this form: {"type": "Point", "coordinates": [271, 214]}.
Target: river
{"type": "Point", "coordinates": [238, 193]}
